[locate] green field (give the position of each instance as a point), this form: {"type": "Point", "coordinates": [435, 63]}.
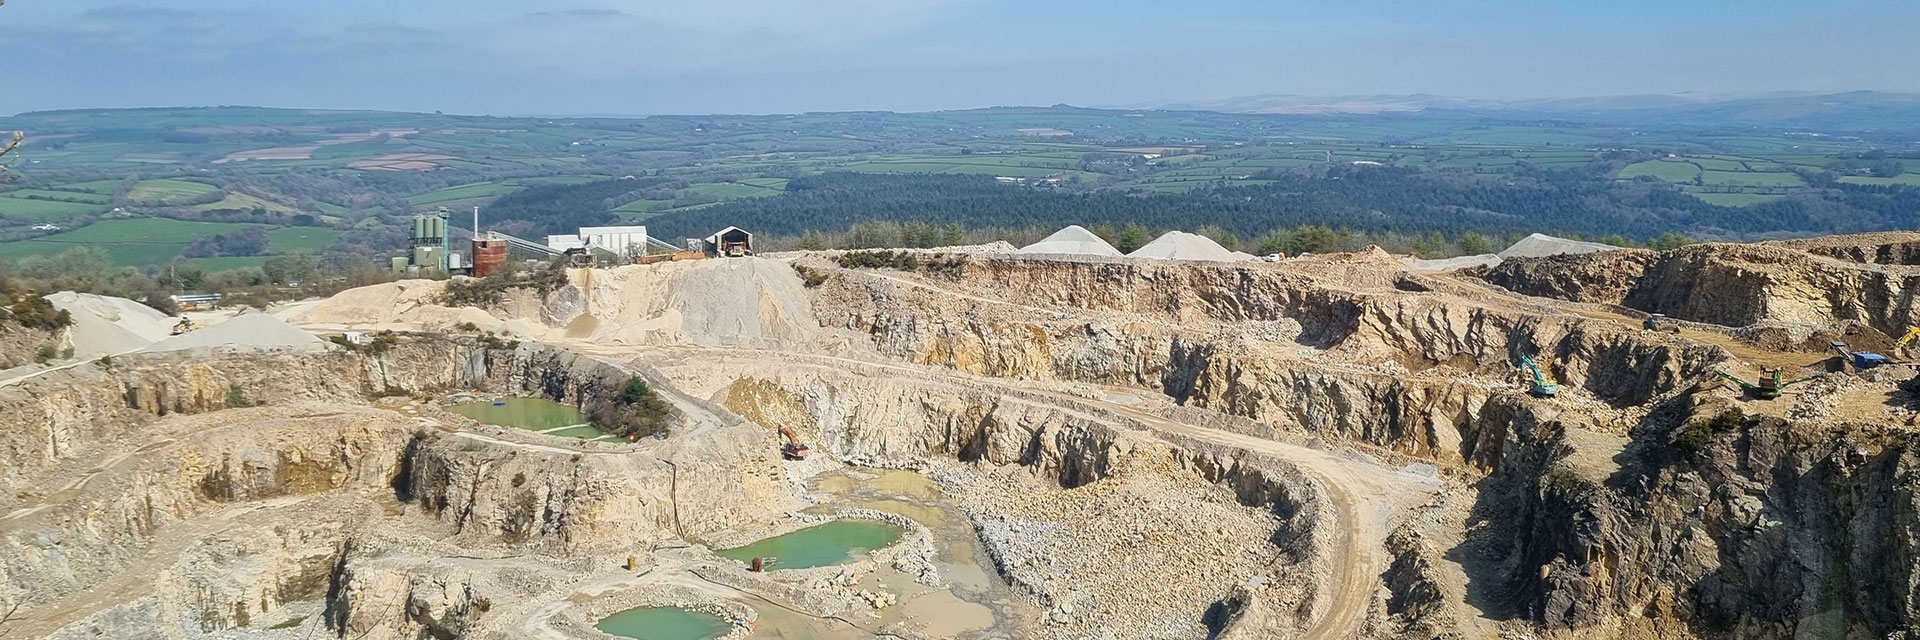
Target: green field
{"type": "Point", "coordinates": [292, 239]}
{"type": "Point", "coordinates": [167, 190]}
{"type": "Point", "coordinates": [130, 242]}
{"type": "Point", "coordinates": [1668, 170]}
{"type": "Point", "coordinates": [44, 194]}
{"type": "Point", "coordinates": [1904, 179]}
{"type": "Point", "coordinates": [37, 211]}
{"type": "Point", "coordinates": [102, 187]}
{"type": "Point", "coordinates": [461, 192]}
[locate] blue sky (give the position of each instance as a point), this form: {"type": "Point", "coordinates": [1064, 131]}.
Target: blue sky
{"type": "Point", "coordinates": [770, 56]}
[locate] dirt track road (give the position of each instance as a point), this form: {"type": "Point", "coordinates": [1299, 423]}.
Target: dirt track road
{"type": "Point", "coordinates": [1367, 496]}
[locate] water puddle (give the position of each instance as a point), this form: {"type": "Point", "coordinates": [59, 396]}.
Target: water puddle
{"type": "Point", "coordinates": [973, 603]}
{"type": "Point", "coordinates": [532, 414]}
{"type": "Point", "coordinates": [664, 623]}
{"type": "Point", "coordinates": [828, 544]}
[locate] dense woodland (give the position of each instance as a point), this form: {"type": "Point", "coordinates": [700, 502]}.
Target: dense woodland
{"type": "Point", "coordinates": [1408, 205]}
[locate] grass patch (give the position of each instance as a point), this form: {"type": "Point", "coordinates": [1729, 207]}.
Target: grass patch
{"type": "Point", "coordinates": [130, 242]}
{"type": "Point", "coordinates": [44, 210]}
{"type": "Point", "coordinates": [1668, 170]}
{"type": "Point", "coordinates": [168, 189]}
{"type": "Point", "coordinates": [1904, 179]}
{"type": "Point", "coordinates": [292, 239]}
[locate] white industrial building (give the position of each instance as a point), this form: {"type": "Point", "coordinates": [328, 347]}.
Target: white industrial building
{"type": "Point", "coordinates": [620, 241]}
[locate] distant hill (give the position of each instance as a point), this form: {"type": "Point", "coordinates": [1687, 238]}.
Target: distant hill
{"type": "Point", "coordinates": [1850, 111]}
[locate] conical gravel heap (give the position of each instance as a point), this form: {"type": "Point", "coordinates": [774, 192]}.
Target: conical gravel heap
{"type": "Point", "coordinates": [1073, 240]}
{"type": "Point", "coordinates": [1180, 245]}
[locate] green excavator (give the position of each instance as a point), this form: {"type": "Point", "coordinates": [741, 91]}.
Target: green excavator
{"type": "Point", "coordinates": [1544, 385]}
{"type": "Point", "coordinates": [1769, 385]}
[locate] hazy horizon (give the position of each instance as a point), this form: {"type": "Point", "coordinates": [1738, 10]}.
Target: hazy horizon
{"type": "Point", "coordinates": [640, 57]}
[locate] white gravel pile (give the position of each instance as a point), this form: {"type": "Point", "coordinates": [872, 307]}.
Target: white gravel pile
{"type": "Point", "coordinates": [1180, 245]}
{"type": "Point", "coordinates": [245, 330]}
{"type": "Point", "coordinates": [1074, 240]}
{"type": "Point", "coordinates": [1449, 264]}
{"type": "Point", "coordinates": [104, 325]}
{"type": "Point", "coordinates": [1540, 245]}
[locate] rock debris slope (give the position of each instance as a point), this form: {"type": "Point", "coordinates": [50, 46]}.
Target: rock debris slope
{"type": "Point", "coordinates": [1333, 446]}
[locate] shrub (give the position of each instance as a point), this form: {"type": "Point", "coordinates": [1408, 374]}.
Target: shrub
{"type": "Point", "coordinates": [33, 311]}
{"type": "Point", "coordinates": [936, 264]}
{"type": "Point", "coordinates": [635, 411]}
{"type": "Point", "coordinates": [1695, 436]}
{"type": "Point", "coordinates": [235, 398]}
{"type": "Point", "coordinates": [483, 292]}
{"type": "Point", "coordinates": [809, 277]}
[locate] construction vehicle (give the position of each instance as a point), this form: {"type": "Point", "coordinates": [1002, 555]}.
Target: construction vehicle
{"type": "Point", "coordinates": [1544, 385]}
{"type": "Point", "coordinates": [1861, 360]}
{"type": "Point", "coordinates": [793, 449]}
{"type": "Point", "coordinates": [1659, 322]}
{"type": "Point", "coordinates": [1769, 385]}
{"type": "Point", "coordinates": [184, 325]}
{"type": "Point", "coordinates": [1901, 344]}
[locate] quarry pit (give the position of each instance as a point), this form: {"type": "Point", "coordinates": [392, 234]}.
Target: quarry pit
{"type": "Point", "coordinates": [1028, 446]}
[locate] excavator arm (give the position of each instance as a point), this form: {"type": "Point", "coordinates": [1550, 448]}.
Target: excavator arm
{"type": "Point", "coordinates": [1912, 332]}
{"type": "Point", "coordinates": [1810, 378]}
{"type": "Point", "coordinates": [1743, 384]}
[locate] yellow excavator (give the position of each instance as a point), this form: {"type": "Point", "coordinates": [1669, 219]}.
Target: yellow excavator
{"type": "Point", "coordinates": [184, 325]}
{"type": "Point", "coordinates": [1901, 344]}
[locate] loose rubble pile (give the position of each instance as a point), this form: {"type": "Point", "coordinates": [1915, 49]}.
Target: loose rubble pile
{"type": "Point", "coordinates": [1193, 447]}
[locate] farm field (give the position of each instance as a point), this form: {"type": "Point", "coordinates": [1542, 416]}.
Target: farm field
{"type": "Point", "coordinates": [1733, 180]}
{"type": "Point", "coordinates": [130, 242]}
{"type": "Point", "coordinates": [1905, 179]}
{"type": "Point", "coordinates": [168, 190]}
{"type": "Point", "coordinates": [25, 210]}
{"type": "Point", "coordinates": [292, 239]}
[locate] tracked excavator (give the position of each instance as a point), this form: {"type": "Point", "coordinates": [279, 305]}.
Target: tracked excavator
{"type": "Point", "coordinates": [1901, 344]}
{"type": "Point", "coordinates": [793, 449]}
{"type": "Point", "coordinates": [1769, 385]}
{"type": "Point", "coordinates": [1544, 386]}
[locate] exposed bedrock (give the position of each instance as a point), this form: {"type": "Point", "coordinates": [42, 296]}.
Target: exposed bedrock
{"type": "Point", "coordinates": [1267, 345]}
{"type": "Point", "coordinates": [1734, 284]}
{"type": "Point", "coordinates": [1756, 529]}
{"type": "Point", "coordinates": [893, 417]}
{"type": "Point", "coordinates": [204, 476]}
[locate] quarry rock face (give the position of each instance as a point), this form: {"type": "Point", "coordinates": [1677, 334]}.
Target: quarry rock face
{"type": "Point", "coordinates": [1323, 447]}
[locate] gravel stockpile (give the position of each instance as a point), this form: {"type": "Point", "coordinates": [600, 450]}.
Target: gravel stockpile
{"type": "Point", "coordinates": [1449, 264]}
{"type": "Point", "coordinates": [104, 325]}
{"type": "Point", "coordinates": [1538, 245]}
{"type": "Point", "coordinates": [1541, 245]}
{"type": "Point", "coordinates": [1073, 240]}
{"type": "Point", "coordinates": [1180, 245]}
{"type": "Point", "coordinates": [246, 330]}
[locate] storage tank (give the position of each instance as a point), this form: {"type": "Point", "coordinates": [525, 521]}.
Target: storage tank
{"type": "Point", "coordinates": [488, 256]}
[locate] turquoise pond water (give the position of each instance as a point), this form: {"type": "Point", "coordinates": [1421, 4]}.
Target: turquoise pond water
{"type": "Point", "coordinates": [664, 623]}
{"type": "Point", "coordinates": [532, 414]}
{"type": "Point", "coordinates": [820, 545]}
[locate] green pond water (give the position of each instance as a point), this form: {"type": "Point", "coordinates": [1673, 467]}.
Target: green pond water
{"type": "Point", "coordinates": [820, 545]}
{"type": "Point", "coordinates": [664, 623]}
{"type": "Point", "coordinates": [533, 414]}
